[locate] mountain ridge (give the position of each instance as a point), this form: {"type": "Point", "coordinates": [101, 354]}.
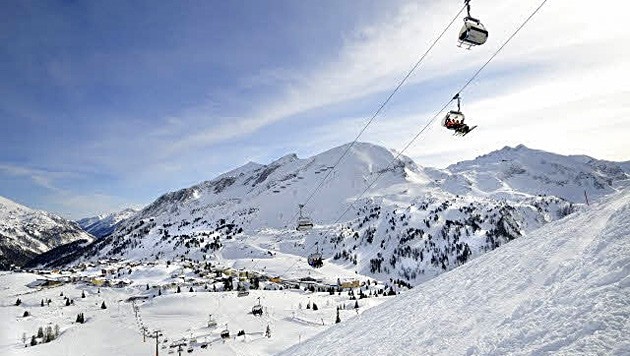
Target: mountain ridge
{"type": "Point", "coordinates": [26, 233]}
{"type": "Point", "coordinates": [413, 224]}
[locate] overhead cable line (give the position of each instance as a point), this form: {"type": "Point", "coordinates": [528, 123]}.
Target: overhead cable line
{"type": "Point", "coordinates": [425, 127]}
{"type": "Point", "coordinates": [382, 106]}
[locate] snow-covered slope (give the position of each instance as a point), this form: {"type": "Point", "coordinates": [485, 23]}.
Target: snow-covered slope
{"type": "Point", "coordinates": [511, 172]}
{"type": "Point", "coordinates": [564, 289]}
{"type": "Point", "coordinates": [105, 224]}
{"type": "Point", "coordinates": [25, 233]}
{"type": "Point", "coordinates": [408, 227]}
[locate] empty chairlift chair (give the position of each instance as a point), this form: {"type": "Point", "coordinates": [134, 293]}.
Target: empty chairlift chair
{"type": "Point", "coordinates": [473, 33]}
{"type": "Point", "coordinates": [211, 322]}
{"type": "Point", "coordinates": [304, 223]}
{"type": "Point", "coordinates": [242, 290]}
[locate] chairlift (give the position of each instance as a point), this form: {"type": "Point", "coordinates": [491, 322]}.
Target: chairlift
{"type": "Point", "coordinates": [304, 223]}
{"type": "Point", "coordinates": [473, 33]}
{"type": "Point", "coordinates": [257, 309]}
{"type": "Point", "coordinates": [454, 119]}
{"type": "Point", "coordinates": [242, 290]}
{"type": "Point", "coordinates": [315, 260]}
{"type": "Point", "coordinates": [225, 334]}
{"type": "Point", "coordinates": [212, 323]}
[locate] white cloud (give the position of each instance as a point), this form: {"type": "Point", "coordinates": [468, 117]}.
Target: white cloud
{"type": "Point", "coordinates": [374, 58]}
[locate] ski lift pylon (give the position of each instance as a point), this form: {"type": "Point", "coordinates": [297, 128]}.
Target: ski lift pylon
{"type": "Point", "coordinates": [473, 33]}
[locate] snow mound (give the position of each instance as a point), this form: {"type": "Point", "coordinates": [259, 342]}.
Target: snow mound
{"type": "Point", "coordinates": [565, 289]}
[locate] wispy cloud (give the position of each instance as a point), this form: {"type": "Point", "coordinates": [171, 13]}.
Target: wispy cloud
{"type": "Point", "coordinates": [40, 177]}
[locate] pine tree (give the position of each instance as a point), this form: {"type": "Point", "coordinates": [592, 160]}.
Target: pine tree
{"type": "Point", "coordinates": [61, 294]}
{"type": "Point", "coordinates": [191, 290]}
{"type": "Point", "coordinates": [40, 332]}
{"type": "Point", "coordinates": [33, 341]}
{"type": "Point", "coordinates": [147, 286]}
{"type": "Point", "coordinates": [24, 338]}
{"type": "Point", "coordinates": [268, 332]}
{"type": "Point", "coordinates": [338, 320]}
{"type": "Point", "coordinates": [315, 306]}
{"type": "Point", "coordinates": [67, 302]}
{"type": "Point", "coordinates": [159, 291]}
{"type": "Point", "coordinates": [18, 302]}
{"type": "Point", "coordinates": [103, 306]}
{"type": "Point", "coordinates": [42, 304]}
{"type": "Point", "coordinates": [26, 313]}
{"type": "Point", "coordinates": [82, 294]}
{"type": "Point", "coordinates": [48, 334]}
{"type": "Point", "coordinates": [56, 331]}
{"type": "Point", "coordinates": [179, 290]}
{"type": "Point", "coordinates": [356, 304]}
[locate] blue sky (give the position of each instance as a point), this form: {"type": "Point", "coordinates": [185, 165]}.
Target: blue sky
{"type": "Point", "coordinates": [109, 104]}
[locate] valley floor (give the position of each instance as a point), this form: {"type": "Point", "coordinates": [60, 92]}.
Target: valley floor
{"type": "Point", "coordinates": [181, 317]}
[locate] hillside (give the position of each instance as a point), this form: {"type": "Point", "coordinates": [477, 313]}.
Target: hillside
{"type": "Point", "coordinates": [411, 226]}
{"type": "Point", "coordinates": [511, 172]}
{"type": "Point", "coordinates": [25, 233]}
{"type": "Point", "coordinates": [562, 290]}
{"type": "Point", "coordinates": [105, 224]}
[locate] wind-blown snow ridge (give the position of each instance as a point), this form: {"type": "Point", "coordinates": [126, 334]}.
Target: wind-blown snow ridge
{"type": "Point", "coordinates": [564, 290]}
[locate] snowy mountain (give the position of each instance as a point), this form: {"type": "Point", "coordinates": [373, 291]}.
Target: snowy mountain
{"type": "Point", "coordinates": [414, 224]}
{"type": "Point", "coordinates": [25, 233]}
{"type": "Point", "coordinates": [511, 172]}
{"type": "Point", "coordinates": [562, 290]}
{"type": "Point", "coordinates": [105, 224]}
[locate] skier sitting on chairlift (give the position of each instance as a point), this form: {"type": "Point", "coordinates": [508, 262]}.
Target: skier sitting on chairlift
{"type": "Point", "coordinates": [454, 120]}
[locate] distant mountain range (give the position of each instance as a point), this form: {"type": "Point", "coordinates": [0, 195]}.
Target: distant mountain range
{"type": "Point", "coordinates": [105, 224]}
{"type": "Point", "coordinates": [412, 225]}
{"type": "Point", "coordinates": [26, 233]}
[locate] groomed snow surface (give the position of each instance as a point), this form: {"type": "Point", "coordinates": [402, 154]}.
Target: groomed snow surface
{"type": "Point", "coordinates": [565, 289]}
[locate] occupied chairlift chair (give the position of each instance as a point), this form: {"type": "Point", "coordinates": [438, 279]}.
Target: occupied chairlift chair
{"type": "Point", "coordinates": [454, 119]}
{"type": "Point", "coordinates": [257, 309]}
{"type": "Point", "coordinates": [315, 260]}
